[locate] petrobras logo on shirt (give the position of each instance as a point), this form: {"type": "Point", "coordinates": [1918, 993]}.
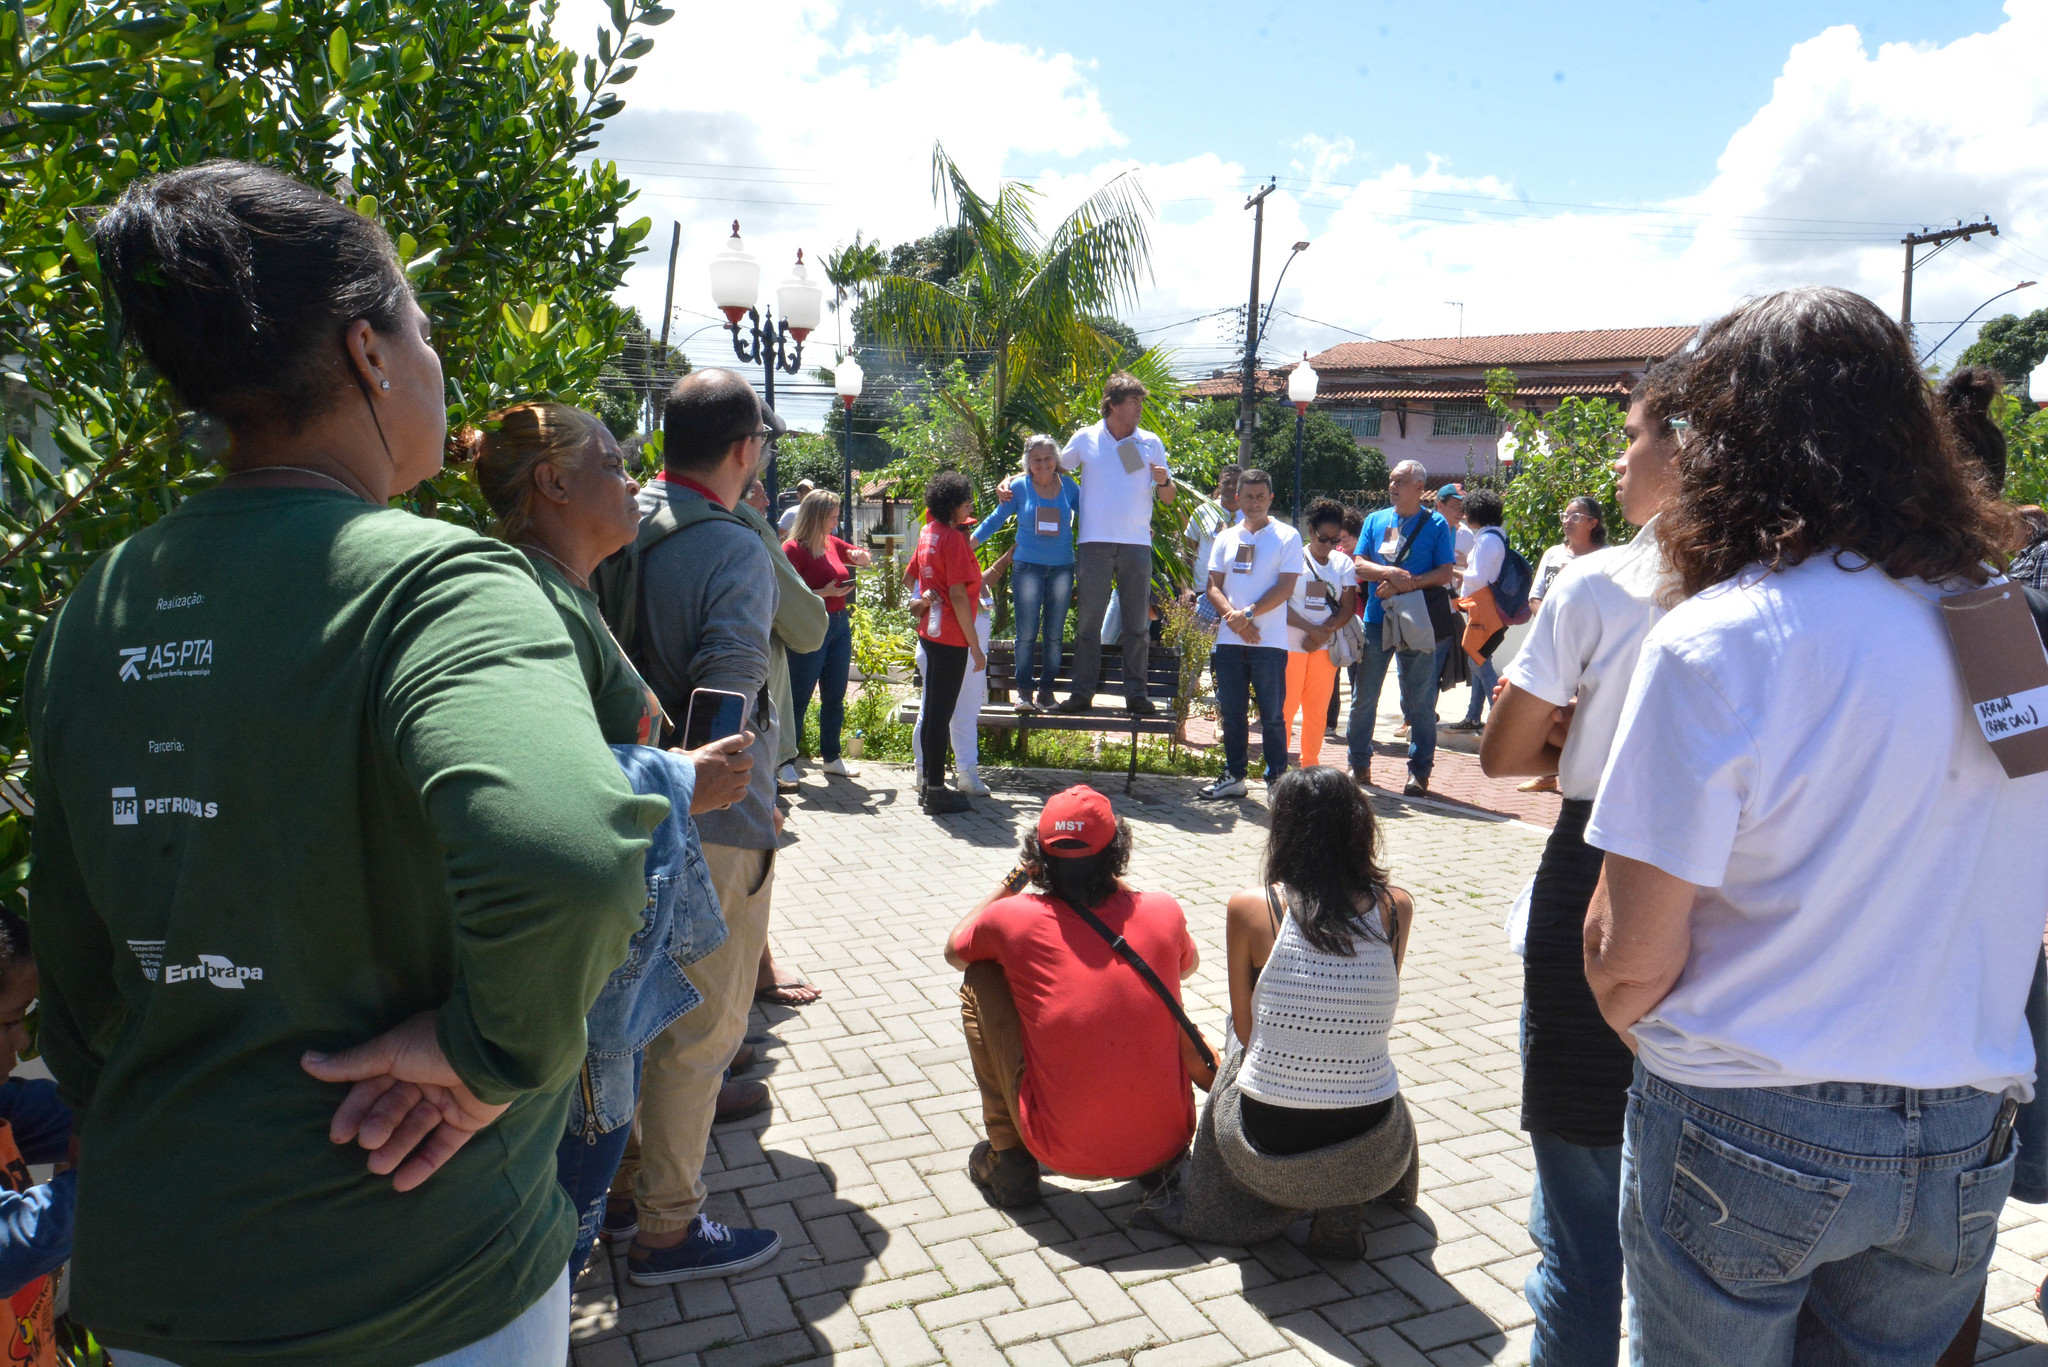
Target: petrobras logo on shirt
{"type": "Point", "coordinates": [214, 969]}
{"type": "Point", "coordinates": [129, 809]}
{"type": "Point", "coordinates": [171, 660]}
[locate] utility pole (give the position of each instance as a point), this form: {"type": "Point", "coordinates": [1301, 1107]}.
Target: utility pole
{"type": "Point", "coordinates": [668, 303]}
{"type": "Point", "coordinates": [1459, 305]}
{"type": "Point", "coordinates": [1248, 399]}
{"type": "Point", "coordinates": [1940, 240]}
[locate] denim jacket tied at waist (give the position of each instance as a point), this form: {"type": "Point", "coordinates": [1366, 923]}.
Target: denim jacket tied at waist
{"type": "Point", "coordinates": [680, 924]}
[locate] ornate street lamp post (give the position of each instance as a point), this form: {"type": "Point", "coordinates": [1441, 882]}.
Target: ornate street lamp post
{"type": "Point", "coordinates": [1301, 392]}
{"type": "Point", "coordinates": [735, 289]}
{"type": "Point", "coordinates": [846, 382]}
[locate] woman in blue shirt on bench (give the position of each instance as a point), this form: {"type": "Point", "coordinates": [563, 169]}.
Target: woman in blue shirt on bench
{"type": "Point", "coordinates": [1046, 505]}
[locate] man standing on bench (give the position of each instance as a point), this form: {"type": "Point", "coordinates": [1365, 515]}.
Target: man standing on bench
{"type": "Point", "coordinates": [1123, 469]}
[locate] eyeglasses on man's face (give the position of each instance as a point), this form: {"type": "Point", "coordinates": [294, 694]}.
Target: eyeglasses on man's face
{"type": "Point", "coordinates": [1330, 540]}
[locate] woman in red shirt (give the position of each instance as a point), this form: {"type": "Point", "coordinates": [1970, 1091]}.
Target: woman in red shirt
{"type": "Point", "coordinates": [826, 564]}
{"type": "Point", "coordinates": [945, 568]}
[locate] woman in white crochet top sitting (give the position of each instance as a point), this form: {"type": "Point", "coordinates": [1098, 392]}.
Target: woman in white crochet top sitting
{"type": "Point", "coordinates": [1306, 1116]}
{"type": "Point", "coordinates": [1315, 956]}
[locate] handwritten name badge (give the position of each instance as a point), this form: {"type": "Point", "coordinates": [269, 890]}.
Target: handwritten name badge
{"type": "Point", "coordinates": [2005, 673]}
{"type": "Point", "coordinates": [2013, 715]}
{"type": "Point", "coordinates": [1048, 521]}
{"type": "Point", "coordinates": [1127, 451]}
{"type": "Point", "coordinates": [1243, 563]}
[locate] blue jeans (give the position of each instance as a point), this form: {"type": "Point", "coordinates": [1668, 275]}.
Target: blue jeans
{"type": "Point", "coordinates": [1575, 1288]}
{"type": "Point", "coordinates": [1240, 672]}
{"type": "Point", "coordinates": [1484, 677]}
{"type": "Point", "coordinates": [538, 1338]}
{"type": "Point", "coordinates": [585, 1167]}
{"type": "Point", "coordinates": [1041, 594]}
{"type": "Point", "coordinates": [824, 669]}
{"type": "Point", "coordinates": [1834, 1223]}
{"type": "Point", "coordinates": [1418, 671]}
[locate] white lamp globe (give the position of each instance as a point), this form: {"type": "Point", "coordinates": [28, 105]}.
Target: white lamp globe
{"type": "Point", "coordinates": [735, 279]}
{"type": "Point", "coordinates": [847, 377]}
{"type": "Point", "coordinates": [802, 304]}
{"type": "Point", "coordinates": [1301, 385]}
{"type": "Point", "coordinates": [2037, 384]}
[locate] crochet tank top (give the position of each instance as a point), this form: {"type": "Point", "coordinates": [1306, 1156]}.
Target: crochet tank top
{"type": "Point", "coordinates": [1320, 1022]}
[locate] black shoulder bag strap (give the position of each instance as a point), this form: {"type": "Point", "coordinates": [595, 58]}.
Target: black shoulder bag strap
{"type": "Point", "coordinates": [1137, 961]}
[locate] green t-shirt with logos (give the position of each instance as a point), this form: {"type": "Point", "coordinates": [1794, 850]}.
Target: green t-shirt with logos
{"type": "Point", "coordinates": [628, 713]}
{"type": "Point", "coordinates": [305, 767]}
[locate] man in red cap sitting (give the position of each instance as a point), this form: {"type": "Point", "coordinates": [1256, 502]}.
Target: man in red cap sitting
{"type": "Point", "coordinates": [1083, 1064]}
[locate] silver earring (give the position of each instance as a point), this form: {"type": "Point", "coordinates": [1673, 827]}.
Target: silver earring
{"type": "Point", "coordinates": [383, 384]}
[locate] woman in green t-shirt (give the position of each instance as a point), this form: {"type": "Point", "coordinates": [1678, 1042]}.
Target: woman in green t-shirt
{"type": "Point", "coordinates": [368, 862]}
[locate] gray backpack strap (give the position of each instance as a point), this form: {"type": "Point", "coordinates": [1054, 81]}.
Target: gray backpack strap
{"type": "Point", "coordinates": [617, 581]}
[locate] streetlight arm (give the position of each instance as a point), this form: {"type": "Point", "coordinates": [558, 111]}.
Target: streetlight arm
{"type": "Point", "coordinates": [2024, 284]}
{"type": "Point", "coordinates": [1266, 315]}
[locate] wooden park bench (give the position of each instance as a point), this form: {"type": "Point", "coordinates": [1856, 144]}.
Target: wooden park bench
{"type": "Point", "coordinates": [1162, 678]}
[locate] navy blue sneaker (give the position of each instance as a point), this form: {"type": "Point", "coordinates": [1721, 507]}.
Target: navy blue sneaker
{"type": "Point", "coordinates": [712, 1250]}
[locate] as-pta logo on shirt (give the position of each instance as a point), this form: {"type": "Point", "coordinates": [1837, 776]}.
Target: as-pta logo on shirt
{"type": "Point", "coordinates": [172, 659]}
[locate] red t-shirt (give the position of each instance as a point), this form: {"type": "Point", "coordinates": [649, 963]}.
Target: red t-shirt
{"type": "Point", "coordinates": [819, 571]}
{"type": "Point", "coordinates": [1105, 1093]}
{"type": "Point", "coordinates": [944, 559]}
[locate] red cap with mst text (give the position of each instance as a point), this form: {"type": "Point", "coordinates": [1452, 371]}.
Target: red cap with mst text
{"type": "Point", "coordinates": [1075, 823]}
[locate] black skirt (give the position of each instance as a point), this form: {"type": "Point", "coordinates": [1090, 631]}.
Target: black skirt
{"type": "Point", "coordinates": [1575, 1069]}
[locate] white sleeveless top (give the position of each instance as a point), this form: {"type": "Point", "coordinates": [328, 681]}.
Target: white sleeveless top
{"type": "Point", "coordinates": [1320, 1022]}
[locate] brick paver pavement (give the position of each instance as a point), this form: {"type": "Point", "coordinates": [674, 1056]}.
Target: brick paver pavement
{"type": "Point", "coordinates": [892, 1259]}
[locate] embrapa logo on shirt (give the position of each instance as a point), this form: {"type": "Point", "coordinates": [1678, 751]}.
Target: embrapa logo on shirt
{"type": "Point", "coordinates": [172, 659]}
{"type": "Point", "coordinates": [212, 968]}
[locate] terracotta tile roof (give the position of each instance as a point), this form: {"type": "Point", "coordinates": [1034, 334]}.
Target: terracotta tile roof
{"type": "Point", "coordinates": [1522, 348]}
{"type": "Point", "coordinates": [1601, 383]}
{"type": "Point", "coordinates": [1229, 386]}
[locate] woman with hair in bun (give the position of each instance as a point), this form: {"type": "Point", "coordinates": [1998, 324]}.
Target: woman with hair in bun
{"type": "Point", "coordinates": [358, 784]}
{"type": "Point", "coordinates": [557, 481]}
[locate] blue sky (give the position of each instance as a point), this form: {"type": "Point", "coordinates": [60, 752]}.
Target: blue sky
{"type": "Point", "coordinates": [1551, 165]}
{"type": "Point", "coordinates": [1611, 101]}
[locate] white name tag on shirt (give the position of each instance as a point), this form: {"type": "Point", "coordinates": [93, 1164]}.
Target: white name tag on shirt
{"type": "Point", "coordinates": [1048, 522]}
{"type": "Point", "coordinates": [1243, 563]}
{"type": "Point", "coordinates": [2005, 673]}
{"type": "Point", "coordinates": [2014, 714]}
{"type": "Point", "coordinates": [1127, 451]}
{"type": "Point", "coordinates": [1390, 544]}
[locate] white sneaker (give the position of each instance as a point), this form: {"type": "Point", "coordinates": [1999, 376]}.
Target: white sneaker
{"type": "Point", "coordinates": [787, 773]}
{"type": "Point", "coordinates": [1224, 787]}
{"type": "Point", "coordinates": [838, 768]}
{"type": "Point", "coordinates": [971, 785]}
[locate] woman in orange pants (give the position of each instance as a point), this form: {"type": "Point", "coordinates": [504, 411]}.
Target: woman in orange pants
{"type": "Point", "coordinates": [1323, 595]}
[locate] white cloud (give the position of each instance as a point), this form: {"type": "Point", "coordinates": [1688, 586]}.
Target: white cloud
{"type": "Point", "coordinates": [959, 6]}
{"type": "Point", "coordinates": [823, 126]}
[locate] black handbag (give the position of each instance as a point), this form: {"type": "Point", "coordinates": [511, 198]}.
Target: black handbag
{"type": "Point", "coordinates": [1443, 618]}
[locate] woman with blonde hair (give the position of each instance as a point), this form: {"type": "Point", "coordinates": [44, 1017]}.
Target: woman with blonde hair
{"type": "Point", "coordinates": [1046, 505]}
{"type": "Point", "coordinates": [557, 481]}
{"type": "Point", "coordinates": [826, 563]}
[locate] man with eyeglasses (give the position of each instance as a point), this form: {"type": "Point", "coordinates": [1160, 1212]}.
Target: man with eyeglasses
{"type": "Point", "coordinates": [706, 605]}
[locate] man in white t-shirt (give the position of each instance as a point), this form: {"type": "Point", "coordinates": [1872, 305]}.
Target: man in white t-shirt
{"type": "Point", "coordinates": [1822, 896]}
{"type": "Point", "coordinates": [1123, 470]}
{"type": "Point", "coordinates": [1557, 714]}
{"type": "Point", "coordinates": [1252, 572]}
